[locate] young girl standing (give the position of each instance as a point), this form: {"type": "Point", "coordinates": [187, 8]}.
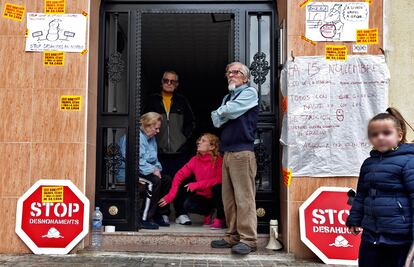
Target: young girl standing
{"type": "Point", "coordinates": [203, 195]}
{"type": "Point", "coordinates": [384, 203]}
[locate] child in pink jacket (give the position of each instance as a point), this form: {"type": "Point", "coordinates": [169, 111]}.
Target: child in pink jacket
{"type": "Point", "coordinates": [201, 195]}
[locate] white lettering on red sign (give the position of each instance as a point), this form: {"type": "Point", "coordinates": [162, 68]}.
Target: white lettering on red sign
{"type": "Point", "coordinates": [319, 216]}
{"type": "Point", "coordinates": [58, 209]}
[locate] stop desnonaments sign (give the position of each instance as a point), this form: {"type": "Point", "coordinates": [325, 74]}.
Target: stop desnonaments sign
{"type": "Point", "coordinates": [52, 217]}
{"type": "Point", "coordinates": [322, 226]}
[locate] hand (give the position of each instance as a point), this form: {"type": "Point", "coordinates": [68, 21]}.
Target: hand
{"type": "Point", "coordinates": [189, 187]}
{"type": "Point", "coordinates": [157, 172]}
{"type": "Point", "coordinates": [355, 230]}
{"type": "Point", "coordinates": [162, 202]}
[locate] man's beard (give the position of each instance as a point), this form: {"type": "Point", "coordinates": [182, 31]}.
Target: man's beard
{"type": "Point", "coordinates": [231, 86]}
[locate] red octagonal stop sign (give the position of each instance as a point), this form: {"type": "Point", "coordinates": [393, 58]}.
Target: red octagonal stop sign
{"type": "Point", "coordinates": [52, 217]}
{"type": "Point", "coordinates": [322, 226]}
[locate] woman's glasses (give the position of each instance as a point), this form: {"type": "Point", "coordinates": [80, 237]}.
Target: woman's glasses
{"type": "Point", "coordinates": [168, 81]}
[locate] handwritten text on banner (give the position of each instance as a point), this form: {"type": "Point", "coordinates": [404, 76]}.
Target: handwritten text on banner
{"type": "Point", "coordinates": [329, 106]}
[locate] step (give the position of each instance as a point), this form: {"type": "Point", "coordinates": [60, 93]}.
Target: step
{"type": "Point", "coordinates": [174, 239]}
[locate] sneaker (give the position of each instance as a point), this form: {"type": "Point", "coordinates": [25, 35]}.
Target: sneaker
{"type": "Point", "coordinates": [149, 225]}
{"type": "Point", "coordinates": [218, 224]}
{"type": "Point", "coordinates": [162, 221]}
{"type": "Point", "coordinates": [207, 220]}
{"type": "Point", "coordinates": [183, 219]}
{"type": "Point", "coordinates": [242, 249]}
{"type": "Point", "coordinates": [220, 243]}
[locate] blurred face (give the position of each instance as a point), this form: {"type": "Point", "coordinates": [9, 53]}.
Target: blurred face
{"type": "Point", "coordinates": [235, 77]}
{"type": "Point", "coordinates": [153, 129]}
{"type": "Point", "coordinates": [383, 135]}
{"type": "Point", "coordinates": [169, 82]}
{"type": "Point", "coordinates": [204, 146]}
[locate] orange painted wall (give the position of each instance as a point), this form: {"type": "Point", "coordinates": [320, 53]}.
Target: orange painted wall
{"type": "Point", "coordinates": [37, 140]}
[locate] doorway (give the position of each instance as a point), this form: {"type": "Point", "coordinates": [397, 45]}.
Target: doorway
{"type": "Point", "coordinates": [139, 41]}
{"type": "Point", "coordinates": [198, 47]}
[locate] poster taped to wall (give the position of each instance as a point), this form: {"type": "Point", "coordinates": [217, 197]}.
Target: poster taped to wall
{"type": "Point", "coordinates": [336, 21]}
{"type": "Point", "coordinates": [329, 104]}
{"type": "Point", "coordinates": [56, 32]}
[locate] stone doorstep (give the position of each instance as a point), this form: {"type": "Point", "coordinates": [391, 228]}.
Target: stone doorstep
{"type": "Point", "coordinates": [168, 242]}
{"type": "Point", "coordinates": [281, 257]}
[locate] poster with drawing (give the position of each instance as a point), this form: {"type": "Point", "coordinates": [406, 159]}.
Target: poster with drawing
{"type": "Point", "coordinates": [56, 32]}
{"type": "Point", "coordinates": [336, 21]}
{"type": "Point", "coordinates": [329, 104]}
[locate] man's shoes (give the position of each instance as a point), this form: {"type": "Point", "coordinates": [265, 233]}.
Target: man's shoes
{"type": "Point", "coordinates": [183, 219]}
{"type": "Point", "coordinates": [221, 243]}
{"type": "Point", "coordinates": [149, 225]}
{"type": "Point", "coordinates": [242, 249]}
{"type": "Point", "coordinates": [218, 224]}
{"type": "Point", "coordinates": [163, 221]}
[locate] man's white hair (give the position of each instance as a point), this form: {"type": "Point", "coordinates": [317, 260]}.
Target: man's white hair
{"type": "Point", "coordinates": [243, 68]}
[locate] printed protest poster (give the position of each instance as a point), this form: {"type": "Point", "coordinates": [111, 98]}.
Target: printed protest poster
{"type": "Point", "coordinates": [56, 32]}
{"type": "Point", "coordinates": [336, 21]}
{"type": "Point", "coordinates": [71, 102]}
{"type": "Point", "coordinates": [329, 104]}
{"type": "Point", "coordinates": [14, 12]}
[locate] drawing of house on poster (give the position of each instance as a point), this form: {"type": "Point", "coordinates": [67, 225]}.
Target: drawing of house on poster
{"type": "Point", "coordinates": [336, 21]}
{"type": "Point", "coordinates": [56, 32]}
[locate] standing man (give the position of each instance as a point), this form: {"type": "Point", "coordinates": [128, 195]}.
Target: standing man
{"type": "Point", "coordinates": [177, 128]}
{"type": "Point", "coordinates": [237, 116]}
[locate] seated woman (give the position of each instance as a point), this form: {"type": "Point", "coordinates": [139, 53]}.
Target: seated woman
{"type": "Point", "coordinates": [203, 195]}
{"type": "Point", "coordinates": [149, 167]}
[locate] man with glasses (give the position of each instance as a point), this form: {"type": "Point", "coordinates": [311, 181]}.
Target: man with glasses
{"type": "Point", "coordinates": [237, 116]}
{"type": "Point", "coordinates": [176, 130]}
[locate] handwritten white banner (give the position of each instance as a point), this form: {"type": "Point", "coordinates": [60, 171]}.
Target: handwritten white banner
{"type": "Point", "coordinates": [329, 104]}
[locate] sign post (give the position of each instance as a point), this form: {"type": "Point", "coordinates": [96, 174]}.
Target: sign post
{"type": "Point", "coordinates": [52, 217]}
{"type": "Point", "coordinates": [322, 226]}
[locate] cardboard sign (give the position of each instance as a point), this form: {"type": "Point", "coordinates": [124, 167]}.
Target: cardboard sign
{"type": "Point", "coordinates": [336, 52]}
{"type": "Point", "coordinates": [51, 58]}
{"type": "Point", "coordinates": [323, 229]}
{"type": "Point", "coordinates": [14, 12]}
{"type": "Point", "coordinates": [55, 6]}
{"type": "Point", "coordinates": [71, 102]}
{"type": "Point", "coordinates": [367, 36]}
{"type": "Point", "coordinates": [52, 217]}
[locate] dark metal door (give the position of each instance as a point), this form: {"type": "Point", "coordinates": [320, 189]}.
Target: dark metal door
{"type": "Point", "coordinates": [121, 94]}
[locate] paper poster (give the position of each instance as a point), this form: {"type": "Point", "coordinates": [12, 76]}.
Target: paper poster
{"type": "Point", "coordinates": [52, 194]}
{"type": "Point", "coordinates": [336, 21]}
{"type": "Point", "coordinates": [360, 48]}
{"type": "Point", "coordinates": [14, 12]}
{"type": "Point", "coordinates": [336, 52]}
{"type": "Point", "coordinates": [367, 36]}
{"type": "Point", "coordinates": [55, 6]}
{"type": "Point", "coordinates": [71, 102]}
{"type": "Point", "coordinates": [329, 104]}
{"type": "Point", "coordinates": [53, 58]}
{"type": "Point", "coordinates": [56, 32]}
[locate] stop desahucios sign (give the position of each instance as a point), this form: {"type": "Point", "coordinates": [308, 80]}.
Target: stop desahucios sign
{"type": "Point", "coordinates": [52, 217]}
{"type": "Point", "coordinates": [322, 226]}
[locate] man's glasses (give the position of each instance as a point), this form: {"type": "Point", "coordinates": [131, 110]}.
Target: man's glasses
{"type": "Point", "coordinates": [234, 72]}
{"type": "Point", "coordinates": [168, 81]}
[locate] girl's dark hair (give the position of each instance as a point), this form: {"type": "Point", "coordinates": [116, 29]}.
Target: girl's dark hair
{"type": "Point", "coordinates": [399, 121]}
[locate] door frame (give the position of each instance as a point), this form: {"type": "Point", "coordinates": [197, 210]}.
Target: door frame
{"type": "Point", "coordinates": [135, 9]}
